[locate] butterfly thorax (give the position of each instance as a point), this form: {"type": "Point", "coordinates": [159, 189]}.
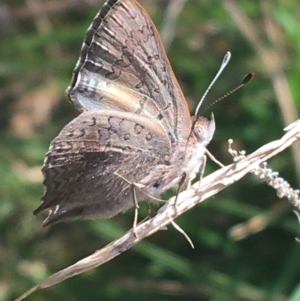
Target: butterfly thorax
{"type": "Point", "coordinates": [186, 158]}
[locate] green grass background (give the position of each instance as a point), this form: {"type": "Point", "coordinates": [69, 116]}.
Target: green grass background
{"type": "Point", "coordinates": [40, 42]}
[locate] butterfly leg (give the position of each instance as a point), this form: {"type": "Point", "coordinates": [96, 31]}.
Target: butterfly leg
{"type": "Point", "coordinates": [180, 184]}
{"type": "Point", "coordinates": [201, 170]}
{"type": "Point", "coordinates": [133, 186]}
{"type": "Point", "coordinates": [149, 215]}
{"type": "Point", "coordinates": [149, 210]}
{"type": "Point", "coordinates": [136, 208]}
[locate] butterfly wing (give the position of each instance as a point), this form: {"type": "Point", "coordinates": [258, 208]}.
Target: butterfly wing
{"type": "Point", "coordinates": [81, 165]}
{"type": "Point", "coordinates": [123, 67]}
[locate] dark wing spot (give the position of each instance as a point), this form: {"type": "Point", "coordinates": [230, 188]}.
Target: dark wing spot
{"type": "Point", "coordinates": [157, 183]}
{"type": "Point", "coordinates": [138, 128]}
{"type": "Point", "coordinates": [126, 136]}
{"type": "Point", "coordinates": [148, 136]}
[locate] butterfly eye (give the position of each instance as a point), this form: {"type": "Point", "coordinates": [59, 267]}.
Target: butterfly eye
{"type": "Point", "coordinates": [204, 129]}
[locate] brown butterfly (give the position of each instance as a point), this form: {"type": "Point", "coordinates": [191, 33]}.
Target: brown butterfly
{"type": "Point", "coordinates": [134, 125]}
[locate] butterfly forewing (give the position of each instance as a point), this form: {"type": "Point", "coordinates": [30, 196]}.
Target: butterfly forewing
{"type": "Point", "coordinates": [123, 67]}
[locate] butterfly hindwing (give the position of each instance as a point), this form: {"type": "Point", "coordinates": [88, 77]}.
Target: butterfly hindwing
{"type": "Point", "coordinates": [81, 165]}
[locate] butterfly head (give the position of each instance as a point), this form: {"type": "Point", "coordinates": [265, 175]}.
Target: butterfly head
{"type": "Point", "coordinates": [203, 129]}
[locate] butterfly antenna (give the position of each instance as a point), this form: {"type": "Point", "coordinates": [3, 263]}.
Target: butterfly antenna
{"type": "Point", "coordinates": [223, 65]}
{"type": "Point", "coordinates": [246, 79]}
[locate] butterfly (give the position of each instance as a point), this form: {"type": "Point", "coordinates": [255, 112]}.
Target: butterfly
{"type": "Point", "coordinates": [134, 124]}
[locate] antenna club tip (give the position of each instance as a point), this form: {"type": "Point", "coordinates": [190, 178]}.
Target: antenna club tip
{"type": "Point", "coordinates": [248, 77]}
{"type": "Point", "coordinates": [226, 58]}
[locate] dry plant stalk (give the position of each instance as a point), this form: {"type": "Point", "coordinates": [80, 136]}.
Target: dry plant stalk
{"type": "Point", "coordinates": [210, 186]}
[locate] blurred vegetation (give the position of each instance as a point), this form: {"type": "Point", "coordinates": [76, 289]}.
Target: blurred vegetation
{"type": "Point", "coordinates": [40, 42]}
